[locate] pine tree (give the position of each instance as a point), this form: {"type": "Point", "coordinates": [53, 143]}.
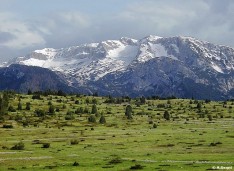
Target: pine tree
{"type": "Point", "coordinates": [92, 119]}
{"type": "Point", "coordinates": [142, 100]}
{"type": "Point", "coordinates": [199, 105]}
{"type": "Point", "coordinates": [27, 106]}
{"type": "Point", "coordinates": [2, 112]}
{"type": "Point", "coordinates": [128, 112]}
{"type": "Point", "coordinates": [4, 102]}
{"type": "Point", "coordinates": [29, 91]}
{"type": "Point", "coordinates": [19, 106]}
{"type": "Point", "coordinates": [51, 109]}
{"type": "Point", "coordinates": [94, 109]}
{"type": "Point", "coordinates": [102, 120]}
{"type": "Point", "coordinates": [166, 115]}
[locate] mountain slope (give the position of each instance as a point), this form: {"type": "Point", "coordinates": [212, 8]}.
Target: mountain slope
{"type": "Point", "coordinates": [22, 78]}
{"type": "Point", "coordinates": [181, 66]}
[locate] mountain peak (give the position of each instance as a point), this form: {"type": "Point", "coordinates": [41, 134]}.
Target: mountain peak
{"type": "Point", "coordinates": [127, 40]}
{"type": "Point", "coordinates": [150, 38]}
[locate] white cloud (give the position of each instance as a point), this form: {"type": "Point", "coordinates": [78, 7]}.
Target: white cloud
{"type": "Point", "coordinates": [74, 18]}
{"type": "Point", "coordinates": [23, 35]}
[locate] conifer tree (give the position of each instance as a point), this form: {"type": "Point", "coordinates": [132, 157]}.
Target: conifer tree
{"type": "Point", "coordinates": [94, 109]}
{"type": "Point", "coordinates": [166, 115]}
{"type": "Point", "coordinates": [102, 120]}
{"type": "Point", "coordinates": [27, 106]}
{"type": "Point", "coordinates": [19, 106]}
{"type": "Point", "coordinates": [128, 111]}
{"type": "Point", "coordinates": [4, 102]}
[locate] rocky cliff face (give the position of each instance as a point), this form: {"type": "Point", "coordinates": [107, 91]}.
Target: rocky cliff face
{"type": "Point", "coordinates": [180, 66]}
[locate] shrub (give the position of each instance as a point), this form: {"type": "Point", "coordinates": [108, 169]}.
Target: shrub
{"type": "Point", "coordinates": [75, 164]}
{"type": "Point", "coordinates": [151, 122]}
{"type": "Point", "coordinates": [102, 120]}
{"type": "Point", "coordinates": [18, 146]}
{"type": "Point", "coordinates": [69, 117]}
{"type": "Point", "coordinates": [166, 115]}
{"type": "Point", "coordinates": [51, 110]}
{"type": "Point", "coordinates": [92, 119]}
{"type": "Point", "coordinates": [40, 112]}
{"type": "Point", "coordinates": [18, 118]}
{"type": "Point", "coordinates": [36, 96]}
{"type": "Point", "coordinates": [19, 106]}
{"type": "Point", "coordinates": [116, 161]}
{"type": "Point", "coordinates": [25, 123]}
{"type": "Point", "coordinates": [74, 142]}
{"type": "Point", "coordinates": [28, 106]}
{"type": "Point", "coordinates": [7, 126]}
{"type": "Point", "coordinates": [210, 117]}
{"type": "Point", "coordinates": [45, 145]}
{"type": "Point", "coordinates": [11, 109]}
{"type": "Point", "coordinates": [128, 111]}
{"type": "Point", "coordinates": [136, 167]}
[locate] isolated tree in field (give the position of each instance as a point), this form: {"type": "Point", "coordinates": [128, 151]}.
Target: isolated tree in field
{"type": "Point", "coordinates": [166, 115]}
{"type": "Point", "coordinates": [142, 100]}
{"type": "Point", "coordinates": [87, 100]}
{"type": "Point", "coordinates": [210, 117]}
{"type": "Point", "coordinates": [2, 111]}
{"type": "Point", "coordinates": [102, 120]}
{"type": "Point", "coordinates": [4, 102]}
{"type": "Point", "coordinates": [94, 101]}
{"type": "Point", "coordinates": [94, 109]}
{"type": "Point", "coordinates": [11, 109]}
{"type": "Point", "coordinates": [40, 113]}
{"type": "Point", "coordinates": [29, 91]}
{"type": "Point", "coordinates": [199, 105]}
{"type": "Point", "coordinates": [61, 93]}
{"type": "Point", "coordinates": [86, 110]}
{"type": "Point", "coordinates": [28, 106]}
{"type": "Point", "coordinates": [51, 109]}
{"type": "Point", "coordinates": [92, 119]}
{"type": "Point", "coordinates": [128, 111]}
{"type": "Point", "coordinates": [19, 106]}
{"type": "Point", "coordinates": [36, 96]}
{"type": "Point", "coordinates": [80, 110]}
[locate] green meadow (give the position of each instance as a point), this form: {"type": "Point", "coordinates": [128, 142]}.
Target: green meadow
{"type": "Point", "coordinates": [65, 133]}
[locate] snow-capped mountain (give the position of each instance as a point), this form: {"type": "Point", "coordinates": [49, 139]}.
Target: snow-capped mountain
{"type": "Point", "coordinates": [86, 62]}
{"type": "Point", "coordinates": [181, 66]}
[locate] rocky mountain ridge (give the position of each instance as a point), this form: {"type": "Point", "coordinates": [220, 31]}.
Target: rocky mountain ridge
{"type": "Point", "coordinates": [180, 66]}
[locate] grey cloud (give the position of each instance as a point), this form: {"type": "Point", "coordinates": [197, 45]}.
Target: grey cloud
{"type": "Point", "coordinates": [5, 37]}
{"type": "Point", "coordinates": [191, 18]}
{"type": "Point", "coordinates": [219, 7]}
{"type": "Point", "coordinates": [210, 20]}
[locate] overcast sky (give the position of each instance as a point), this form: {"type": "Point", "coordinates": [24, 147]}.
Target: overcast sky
{"type": "Point", "coordinates": [27, 25]}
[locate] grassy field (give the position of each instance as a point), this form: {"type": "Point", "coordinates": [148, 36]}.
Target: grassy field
{"type": "Point", "coordinates": [196, 137]}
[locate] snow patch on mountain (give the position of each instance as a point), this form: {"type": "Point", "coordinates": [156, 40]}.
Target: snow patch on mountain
{"type": "Point", "coordinates": [49, 52]}
{"type": "Point", "coordinates": [34, 62]}
{"type": "Point", "coordinates": [217, 68]}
